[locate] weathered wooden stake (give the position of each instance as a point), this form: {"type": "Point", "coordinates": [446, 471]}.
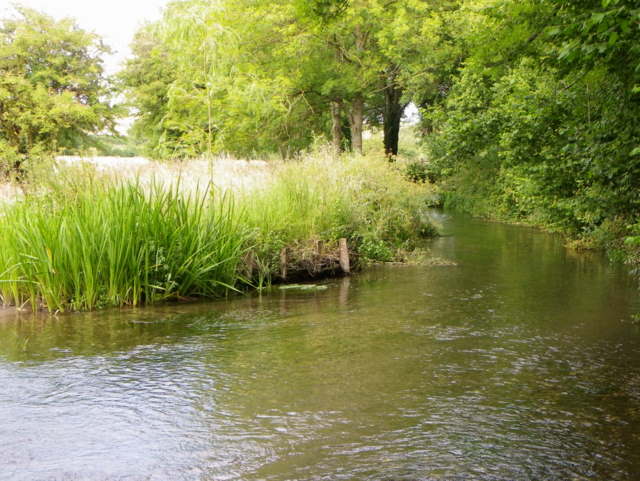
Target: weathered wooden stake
{"type": "Point", "coordinates": [343, 294]}
{"type": "Point", "coordinates": [344, 256]}
{"type": "Point", "coordinates": [283, 263]}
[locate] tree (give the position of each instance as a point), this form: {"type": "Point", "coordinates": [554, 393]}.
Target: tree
{"type": "Point", "coordinates": [146, 79]}
{"type": "Point", "coordinates": [381, 50]}
{"type": "Point", "coordinates": [591, 33]}
{"type": "Point", "coordinates": [257, 76]}
{"type": "Point", "coordinates": [53, 91]}
{"type": "Point", "coordinates": [229, 82]}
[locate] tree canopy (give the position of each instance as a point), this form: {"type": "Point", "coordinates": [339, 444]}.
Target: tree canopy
{"type": "Point", "coordinates": [53, 91]}
{"type": "Point", "coordinates": [261, 76]}
{"type": "Point", "coordinates": [540, 121]}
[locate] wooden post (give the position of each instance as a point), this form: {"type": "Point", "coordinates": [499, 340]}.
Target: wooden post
{"type": "Point", "coordinates": [283, 263]}
{"type": "Point", "coordinates": [344, 256]}
{"type": "Point", "coordinates": [317, 262]}
{"type": "Point", "coordinates": [343, 294]}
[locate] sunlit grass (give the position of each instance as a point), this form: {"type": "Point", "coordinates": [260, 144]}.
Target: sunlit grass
{"type": "Point", "coordinates": [111, 245]}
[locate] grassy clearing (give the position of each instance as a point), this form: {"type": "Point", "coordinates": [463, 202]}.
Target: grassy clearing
{"type": "Point", "coordinates": [98, 242]}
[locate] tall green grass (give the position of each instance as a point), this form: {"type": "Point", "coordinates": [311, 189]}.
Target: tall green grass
{"type": "Point", "coordinates": [113, 245]}
{"type": "Point", "coordinates": [95, 243]}
{"type": "Point", "coordinates": [323, 195]}
{"type": "Point", "coordinates": [365, 199]}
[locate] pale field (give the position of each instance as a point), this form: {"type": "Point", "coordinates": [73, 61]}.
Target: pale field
{"type": "Point", "coordinates": [223, 173]}
{"type": "Point", "coordinates": [9, 192]}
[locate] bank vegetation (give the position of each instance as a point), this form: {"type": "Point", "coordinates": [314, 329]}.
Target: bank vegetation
{"type": "Point", "coordinates": [85, 241]}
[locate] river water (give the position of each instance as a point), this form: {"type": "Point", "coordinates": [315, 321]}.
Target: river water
{"type": "Point", "coordinates": [521, 362]}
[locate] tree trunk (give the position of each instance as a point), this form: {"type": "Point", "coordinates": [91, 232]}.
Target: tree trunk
{"type": "Point", "coordinates": [356, 120]}
{"type": "Point", "coordinates": [392, 115]}
{"type": "Point", "coordinates": [336, 127]}
{"type": "Point", "coordinates": [346, 134]}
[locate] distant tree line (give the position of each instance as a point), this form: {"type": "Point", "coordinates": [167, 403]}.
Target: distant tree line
{"type": "Point", "coordinates": [255, 77]}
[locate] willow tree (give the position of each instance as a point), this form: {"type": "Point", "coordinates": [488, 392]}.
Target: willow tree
{"type": "Point", "coordinates": [168, 82]}
{"type": "Point", "coordinates": [146, 79]}
{"type": "Point", "coordinates": [227, 84]}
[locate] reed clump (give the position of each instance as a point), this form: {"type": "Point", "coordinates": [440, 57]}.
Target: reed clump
{"type": "Point", "coordinates": [93, 243]}
{"type": "Point", "coordinates": [364, 199]}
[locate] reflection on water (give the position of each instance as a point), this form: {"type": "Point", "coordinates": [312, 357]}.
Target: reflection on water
{"type": "Point", "coordinates": [521, 362]}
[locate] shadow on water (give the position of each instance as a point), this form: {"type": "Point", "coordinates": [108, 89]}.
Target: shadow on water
{"type": "Point", "coordinates": [520, 362]}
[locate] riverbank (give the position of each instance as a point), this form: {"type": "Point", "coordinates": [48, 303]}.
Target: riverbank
{"type": "Point", "coordinates": [91, 239]}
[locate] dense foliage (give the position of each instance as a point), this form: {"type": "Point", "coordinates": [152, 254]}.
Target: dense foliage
{"type": "Point", "coordinates": [540, 122]}
{"type": "Point", "coordinates": [262, 77]}
{"type": "Point", "coordinates": [528, 108]}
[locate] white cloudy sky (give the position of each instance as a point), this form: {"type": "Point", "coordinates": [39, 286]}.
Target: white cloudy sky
{"type": "Point", "coordinates": [115, 20]}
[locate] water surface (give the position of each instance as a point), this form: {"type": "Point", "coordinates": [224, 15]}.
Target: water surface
{"type": "Point", "coordinates": [521, 362]}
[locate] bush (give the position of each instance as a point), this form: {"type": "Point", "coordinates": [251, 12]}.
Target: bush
{"type": "Point", "coordinates": [417, 172]}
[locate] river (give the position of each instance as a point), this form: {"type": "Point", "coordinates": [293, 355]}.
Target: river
{"type": "Point", "coordinates": [520, 362]}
